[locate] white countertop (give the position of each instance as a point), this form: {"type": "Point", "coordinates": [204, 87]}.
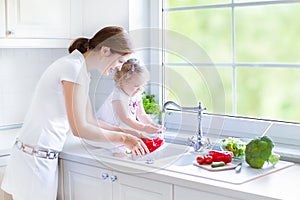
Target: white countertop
{"type": "Point", "coordinates": [282, 184]}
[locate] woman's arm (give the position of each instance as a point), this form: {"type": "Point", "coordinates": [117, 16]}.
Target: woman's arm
{"type": "Point", "coordinates": [102, 124]}
{"type": "Point", "coordinates": [93, 120]}
{"type": "Point", "coordinates": [76, 99]}
{"type": "Point", "coordinates": [120, 109]}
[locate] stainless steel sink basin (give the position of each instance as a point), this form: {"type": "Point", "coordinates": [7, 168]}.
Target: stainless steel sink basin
{"type": "Point", "coordinates": [185, 159]}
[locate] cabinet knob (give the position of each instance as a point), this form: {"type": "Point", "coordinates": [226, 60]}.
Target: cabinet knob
{"type": "Point", "coordinates": [113, 178]}
{"type": "Point", "coordinates": [9, 32]}
{"type": "Point", "coordinates": [104, 176]}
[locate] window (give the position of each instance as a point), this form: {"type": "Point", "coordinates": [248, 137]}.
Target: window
{"type": "Point", "coordinates": [240, 59]}
{"type": "Point", "coordinates": [237, 57]}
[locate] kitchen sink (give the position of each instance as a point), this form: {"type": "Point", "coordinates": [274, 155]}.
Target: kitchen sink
{"type": "Point", "coordinates": [166, 154]}
{"type": "Point", "coordinates": [185, 159]}
{"type": "Point", "coordinates": [167, 150]}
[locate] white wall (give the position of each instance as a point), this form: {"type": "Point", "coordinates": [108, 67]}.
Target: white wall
{"type": "Point", "coordinates": [20, 70]}
{"type": "Point", "coordinates": [100, 13]}
{"type": "Point", "coordinates": [96, 15]}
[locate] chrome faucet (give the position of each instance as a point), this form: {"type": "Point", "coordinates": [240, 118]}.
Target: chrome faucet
{"type": "Point", "coordinates": [197, 141]}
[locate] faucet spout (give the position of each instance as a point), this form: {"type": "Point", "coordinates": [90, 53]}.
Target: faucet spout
{"type": "Point", "coordinates": [196, 141]}
{"type": "Point", "coordinates": [166, 104]}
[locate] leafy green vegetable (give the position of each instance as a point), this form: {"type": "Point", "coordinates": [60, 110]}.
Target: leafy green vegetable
{"type": "Point", "coordinates": [274, 158]}
{"type": "Point", "coordinates": [150, 105]}
{"type": "Point", "coordinates": [259, 150]}
{"type": "Point", "coordinates": [235, 145]}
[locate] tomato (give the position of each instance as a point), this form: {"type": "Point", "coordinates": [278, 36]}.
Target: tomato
{"type": "Point", "coordinates": [208, 159]}
{"type": "Point", "coordinates": [200, 160]}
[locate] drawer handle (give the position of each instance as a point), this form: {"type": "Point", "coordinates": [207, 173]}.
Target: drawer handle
{"type": "Point", "coordinates": [9, 32]}
{"type": "Point", "coordinates": [113, 178]}
{"type": "Point", "coordinates": [104, 176]}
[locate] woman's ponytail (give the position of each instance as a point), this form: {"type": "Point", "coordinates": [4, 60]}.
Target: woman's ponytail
{"type": "Point", "coordinates": [81, 44]}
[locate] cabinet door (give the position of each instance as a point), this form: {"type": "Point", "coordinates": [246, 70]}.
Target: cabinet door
{"type": "Point", "coordinates": [130, 187]}
{"type": "Point", "coordinates": [81, 182]}
{"type": "Point", "coordinates": [181, 193]}
{"type": "Point", "coordinates": [39, 18]}
{"type": "Point", "coordinates": [2, 18]}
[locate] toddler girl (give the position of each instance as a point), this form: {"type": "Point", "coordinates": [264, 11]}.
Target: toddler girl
{"type": "Point", "coordinates": [124, 106]}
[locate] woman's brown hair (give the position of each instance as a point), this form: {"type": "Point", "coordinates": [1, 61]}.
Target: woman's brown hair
{"type": "Point", "coordinates": [114, 37]}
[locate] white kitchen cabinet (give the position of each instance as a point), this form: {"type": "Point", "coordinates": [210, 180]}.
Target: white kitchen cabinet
{"type": "Point", "coordinates": [3, 163]}
{"type": "Point", "coordinates": [30, 23]}
{"type": "Point", "coordinates": [130, 187]}
{"type": "Point", "coordinates": [82, 182]}
{"type": "Point", "coordinates": [181, 193]}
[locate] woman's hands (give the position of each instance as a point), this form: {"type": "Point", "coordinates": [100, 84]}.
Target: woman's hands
{"type": "Point", "coordinates": [136, 145]}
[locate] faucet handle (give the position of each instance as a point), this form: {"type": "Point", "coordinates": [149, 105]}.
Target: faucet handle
{"type": "Point", "coordinates": [199, 144]}
{"type": "Point", "coordinates": [192, 139]}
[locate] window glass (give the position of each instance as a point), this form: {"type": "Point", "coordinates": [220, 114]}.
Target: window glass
{"type": "Point", "coordinates": [180, 3]}
{"type": "Point", "coordinates": [187, 85]}
{"type": "Point", "coordinates": [209, 28]}
{"type": "Point", "coordinates": [267, 33]}
{"type": "Point", "coordinates": [270, 93]}
{"type": "Point", "coordinates": [244, 1]}
{"type": "Point", "coordinates": [254, 51]}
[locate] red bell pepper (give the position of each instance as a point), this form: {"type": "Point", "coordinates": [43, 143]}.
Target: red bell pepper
{"type": "Point", "coordinates": [225, 156]}
{"type": "Point", "coordinates": [153, 144]}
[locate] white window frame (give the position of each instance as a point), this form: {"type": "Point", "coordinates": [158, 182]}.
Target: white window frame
{"type": "Point", "coordinates": [286, 135]}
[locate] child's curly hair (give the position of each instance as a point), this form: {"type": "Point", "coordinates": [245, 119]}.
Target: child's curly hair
{"type": "Point", "coordinates": [129, 68]}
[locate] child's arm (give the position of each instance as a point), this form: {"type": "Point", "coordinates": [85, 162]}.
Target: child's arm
{"type": "Point", "coordinates": [102, 124]}
{"type": "Point", "coordinates": [143, 117]}
{"type": "Point", "coordinates": [120, 109]}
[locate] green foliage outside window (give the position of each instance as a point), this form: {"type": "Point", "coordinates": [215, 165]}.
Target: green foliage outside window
{"type": "Point", "coordinates": [263, 35]}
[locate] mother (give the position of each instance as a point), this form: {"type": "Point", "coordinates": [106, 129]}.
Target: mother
{"type": "Point", "coordinates": [60, 103]}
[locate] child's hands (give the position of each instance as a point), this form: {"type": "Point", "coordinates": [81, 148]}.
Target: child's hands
{"type": "Point", "coordinates": [161, 127]}
{"type": "Point", "coordinates": [152, 129]}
